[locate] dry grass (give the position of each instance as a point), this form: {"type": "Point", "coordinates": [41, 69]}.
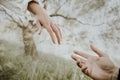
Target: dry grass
{"type": "Point", "coordinates": [45, 67]}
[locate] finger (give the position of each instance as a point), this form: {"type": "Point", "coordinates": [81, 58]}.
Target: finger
{"type": "Point", "coordinates": [82, 54]}
{"type": "Point", "coordinates": [40, 30]}
{"type": "Point", "coordinates": [50, 31]}
{"type": "Point", "coordinates": [78, 59]}
{"type": "Point", "coordinates": [39, 26]}
{"type": "Point", "coordinates": [83, 68]}
{"type": "Point", "coordinates": [99, 52]}
{"type": "Point", "coordinates": [80, 63]}
{"type": "Point", "coordinates": [57, 33]}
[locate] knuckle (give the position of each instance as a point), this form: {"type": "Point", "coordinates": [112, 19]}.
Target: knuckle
{"type": "Point", "coordinates": [55, 30]}
{"type": "Point", "coordinates": [49, 30]}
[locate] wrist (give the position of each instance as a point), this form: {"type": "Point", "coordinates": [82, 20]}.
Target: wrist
{"type": "Point", "coordinates": [33, 6]}
{"type": "Point", "coordinates": [115, 74]}
{"type": "Point", "coordinates": [42, 13]}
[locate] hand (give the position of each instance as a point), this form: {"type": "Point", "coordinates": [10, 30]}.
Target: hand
{"type": "Point", "coordinates": [97, 67]}
{"type": "Point", "coordinates": [44, 21]}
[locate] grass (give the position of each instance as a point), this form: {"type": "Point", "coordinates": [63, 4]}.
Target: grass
{"type": "Point", "coordinates": [44, 67]}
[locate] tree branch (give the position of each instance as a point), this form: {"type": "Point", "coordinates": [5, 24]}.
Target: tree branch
{"type": "Point", "coordinates": [74, 19]}
{"type": "Point", "coordinates": [60, 7]}
{"type": "Point", "coordinates": [14, 20]}
{"type": "Point", "coordinates": [45, 4]}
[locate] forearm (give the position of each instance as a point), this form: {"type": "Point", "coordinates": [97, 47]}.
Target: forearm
{"type": "Point", "coordinates": [35, 8]}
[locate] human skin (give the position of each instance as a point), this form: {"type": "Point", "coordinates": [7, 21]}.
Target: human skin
{"type": "Point", "coordinates": [44, 21]}
{"type": "Point", "coordinates": [97, 67]}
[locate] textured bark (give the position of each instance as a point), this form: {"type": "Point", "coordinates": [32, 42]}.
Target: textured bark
{"type": "Point", "coordinates": [81, 22]}
{"type": "Point", "coordinates": [29, 44]}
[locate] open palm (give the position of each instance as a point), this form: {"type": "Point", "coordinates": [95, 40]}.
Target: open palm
{"type": "Point", "coordinates": [97, 67]}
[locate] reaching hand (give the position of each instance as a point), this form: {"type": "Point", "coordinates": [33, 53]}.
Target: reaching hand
{"type": "Point", "coordinates": [44, 21]}
{"type": "Point", "coordinates": [97, 67]}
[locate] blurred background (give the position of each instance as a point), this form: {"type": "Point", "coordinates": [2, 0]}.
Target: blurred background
{"type": "Point", "coordinates": [81, 22]}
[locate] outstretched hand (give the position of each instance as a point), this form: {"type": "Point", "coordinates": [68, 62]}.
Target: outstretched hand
{"type": "Point", "coordinates": [97, 67]}
{"type": "Point", "coordinates": [43, 21]}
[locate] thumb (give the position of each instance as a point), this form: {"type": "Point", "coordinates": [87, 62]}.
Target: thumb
{"type": "Point", "coordinates": [39, 27]}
